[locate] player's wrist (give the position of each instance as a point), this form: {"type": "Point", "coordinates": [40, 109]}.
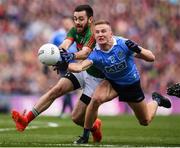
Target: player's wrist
{"type": "Point", "coordinates": [133, 46]}
{"type": "Point", "coordinates": [73, 56]}
{"type": "Point", "coordinates": [62, 49]}
{"type": "Point", "coordinates": [138, 50]}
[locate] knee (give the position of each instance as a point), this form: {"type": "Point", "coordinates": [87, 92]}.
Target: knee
{"type": "Point", "coordinates": [144, 122]}
{"type": "Point", "coordinates": [97, 100]}
{"type": "Point", "coordinates": [74, 119]}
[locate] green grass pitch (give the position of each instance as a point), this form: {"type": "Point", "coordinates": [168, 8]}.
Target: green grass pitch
{"type": "Point", "coordinates": [118, 131]}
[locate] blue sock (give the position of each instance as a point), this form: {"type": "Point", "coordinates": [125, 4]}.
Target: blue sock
{"type": "Point", "coordinates": [86, 133]}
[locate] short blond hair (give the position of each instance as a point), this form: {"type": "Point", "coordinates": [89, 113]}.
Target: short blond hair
{"type": "Point", "coordinates": [99, 22]}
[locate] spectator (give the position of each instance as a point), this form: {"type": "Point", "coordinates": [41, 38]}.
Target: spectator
{"type": "Point", "coordinates": [27, 24]}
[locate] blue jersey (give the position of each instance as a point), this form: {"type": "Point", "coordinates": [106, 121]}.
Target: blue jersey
{"type": "Point", "coordinates": [117, 63]}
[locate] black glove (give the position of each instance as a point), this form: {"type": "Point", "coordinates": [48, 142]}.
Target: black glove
{"type": "Point", "coordinates": [60, 67]}
{"type": "Point", "coordinates": [66, 56]}
{"type": "Point", "coordinates": [133, 46]}
{"type": "Point", "coordinates": [174, 90]}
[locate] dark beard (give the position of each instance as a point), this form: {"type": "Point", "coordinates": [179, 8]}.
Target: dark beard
{"type": "Point", "coordinates": [85, 28]}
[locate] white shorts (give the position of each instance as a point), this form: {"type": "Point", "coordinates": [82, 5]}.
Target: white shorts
{"type": "Point", "coordinates": [86, 82]}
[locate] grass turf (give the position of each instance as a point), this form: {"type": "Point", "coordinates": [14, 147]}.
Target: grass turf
{"type": "Point", "coordinates": [122, 130]}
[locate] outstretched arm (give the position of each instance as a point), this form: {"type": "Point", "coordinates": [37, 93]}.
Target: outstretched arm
{"type": "Point", "coordinates": [140, 52]}
{"type": "Point", "coordinates": [82, 54]}
{"type": "Point", "coordinates": [81, 66]}
{"type": "Point", "coordinates": [66, 44]}
{"type": "Point", "coordinates": [146, 55]}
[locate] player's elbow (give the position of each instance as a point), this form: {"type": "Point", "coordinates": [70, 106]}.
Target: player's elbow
{"type": "Point", "coordinates": [85, 55]}
{"type": "Point", "coordinates": [147, 55]}
{"type": "Point", "coordinates": [152, 58]}
{"type": "Point", "coordinates": [149, 58]}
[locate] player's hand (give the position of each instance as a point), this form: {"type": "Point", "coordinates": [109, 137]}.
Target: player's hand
{"type": "Point", "coordinates": [133, 46]}
{"type": "Point", "coordinates": [66, 56]}
{"type": "Point", "coordinates": [60, 67]}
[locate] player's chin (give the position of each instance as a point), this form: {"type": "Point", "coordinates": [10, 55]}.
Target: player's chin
{"type": "Point", "coordinates": [101, 42]}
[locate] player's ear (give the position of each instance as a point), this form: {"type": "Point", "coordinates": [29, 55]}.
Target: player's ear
{"type": "Point", "coordinates": [90, 20]}
{"type": "Point", "coordinates": [111, 31]}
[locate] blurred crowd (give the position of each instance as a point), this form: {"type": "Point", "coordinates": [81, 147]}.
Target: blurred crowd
{"type": "Point", "coordinates": [27, 24]}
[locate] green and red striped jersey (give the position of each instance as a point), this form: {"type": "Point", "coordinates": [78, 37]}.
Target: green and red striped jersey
{"type": "Point", "coordinates": [85, 39]}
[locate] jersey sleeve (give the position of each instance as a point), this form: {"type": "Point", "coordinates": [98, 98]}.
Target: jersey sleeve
{"type": "Point", "coordinates": [92, 57]}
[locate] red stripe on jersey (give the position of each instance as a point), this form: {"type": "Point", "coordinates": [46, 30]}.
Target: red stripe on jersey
{"type": "Point", "coordinates": [69, 38]}
{"type": "Point", "coordinates": [91, 41]}
{"type": "Point", "coordinates": [79, 46]}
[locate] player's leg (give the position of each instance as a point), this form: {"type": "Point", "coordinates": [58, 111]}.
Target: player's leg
{"type": "Point", "coordinates": [143, 111]}
{"type": "Point", "coordinates": [80, 107]}
{"type": "Point", "coordinates": [90, 83]}
{"type": "Point", "coordinates": [79, 110]}
{"type": "Point", "coordinates": [63, 86]}
{"type": "Point", "coordinates": [90, 87]}
{"type": "Point", "coordinates": [78, 116]}
{"type": "Point", "coordinates": [134, 95]}
{"type": "Point", "coordinates": [103, 93]}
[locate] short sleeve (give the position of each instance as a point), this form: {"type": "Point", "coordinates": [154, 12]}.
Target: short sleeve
{"type": "Point", "coordinates": [92, 56]}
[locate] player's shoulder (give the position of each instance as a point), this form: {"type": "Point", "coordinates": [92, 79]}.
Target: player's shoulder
{"type": "Point", "coordinates": [73, 30]}
{"type": "Point", "coordinates": [120, 40]}
{"type": "Point", "coordinates": [72, 33]}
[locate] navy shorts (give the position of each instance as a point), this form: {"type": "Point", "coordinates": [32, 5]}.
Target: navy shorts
{"type": "Point", "coordinates": [129, 93]}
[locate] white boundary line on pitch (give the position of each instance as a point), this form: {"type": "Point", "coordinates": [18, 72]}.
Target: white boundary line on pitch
{"type": "Point", "coordinates": [49, 124]}
{"type": "Point", "coordinates": [72, 145]}
{"type": "Point", "coordinates": [85, 145]}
